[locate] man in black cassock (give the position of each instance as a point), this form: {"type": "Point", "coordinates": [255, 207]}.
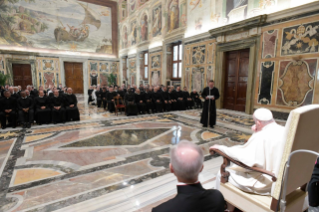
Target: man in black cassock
{"type": "Point", "coordinates": [25, 108]}
{"type": "Point", "coordinates": [187, 99]}
{"type": "Point", "coordinates": [8, 107]}
{"type": "Point", "coordinates": [167, 99]}
{"type": "Point", "coordinates": [131, 107]}
{"type": "Point", "coordinates": [173, 98]}
{"type": "Point", "coordinates": [148, 100]}
{"type": "Point", "coordinates": [71, 102]}
{"type": "Point", "coordinates": [58, 110]}
{"type": "Point", "coordinates": [157, 99]}
{"type": "Point", "coordinates": [104, 97]}
{"type": "Point", "coordinates": [181, 104]}
{"type": "Point", "coordinates": [140, 101]}
{"type": "Point", "coordinates": [43, 110]}
{"type": "Point", "coordinates": [210, 94]}
{"type": "Point", "coordinates": [98, 94]}
{"type": "Point", "coordinates": [90, 91]}
{"type": "Point", "coordinates": [196, 99]}
{"type": "Point", "coordinates": [110, 100]}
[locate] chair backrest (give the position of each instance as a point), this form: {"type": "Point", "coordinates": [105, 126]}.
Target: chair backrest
{"type": "Point", "coordinates": [301, 132]}
{"type": "Point", "coordinates": [117, 100]}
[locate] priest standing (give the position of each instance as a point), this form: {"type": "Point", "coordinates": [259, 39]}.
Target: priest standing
{"type": "Point", "coordinates": [210, 94]}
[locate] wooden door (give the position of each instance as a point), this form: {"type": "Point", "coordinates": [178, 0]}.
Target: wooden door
{"type": "Point", "coordinates": [74, 76]}
{"type": "Point", "coordinates": [22, 75]}
{"type": "Point", "coordinates": [236, 78]}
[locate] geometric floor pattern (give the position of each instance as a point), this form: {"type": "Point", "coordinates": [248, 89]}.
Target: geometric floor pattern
{"type": "Point", "coordinates": [61, 167]}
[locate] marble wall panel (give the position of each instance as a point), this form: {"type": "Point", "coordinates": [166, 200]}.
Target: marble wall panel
{"type": "Point", "coordinates": [300, 39]}
{"type": "Point", "coordinates": [2, 64]}
{"type": "Point", "coordinates": [270, 39]}
{"type": "Point", "coordinates": [296, 82]}
{"type": "Point", "coordinates": [132, 71]}
{"type": "Point", "coordinates": [266, 82]}
{"type": "Point", "coordinates": [48, 71]}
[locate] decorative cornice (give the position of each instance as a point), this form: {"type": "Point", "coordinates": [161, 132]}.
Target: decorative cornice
{"type": "Point", "coordinates": [196, 38]}
{"type": "Point", "coordinates": [239, 26]}
{"type": "Point", "coordinates": [156, 49]}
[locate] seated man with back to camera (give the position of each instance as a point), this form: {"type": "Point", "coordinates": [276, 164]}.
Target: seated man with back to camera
{"type": "Point", "coordinates": [186, 163]}
{"type": "Point", "coordinates": [264, 149]}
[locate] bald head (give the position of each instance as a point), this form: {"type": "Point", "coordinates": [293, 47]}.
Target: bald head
{"type": "Point", "coordinates": [186, 161]}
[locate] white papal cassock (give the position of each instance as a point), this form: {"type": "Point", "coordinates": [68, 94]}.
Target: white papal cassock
{"type": "Point", "coordinates": [264, 149]}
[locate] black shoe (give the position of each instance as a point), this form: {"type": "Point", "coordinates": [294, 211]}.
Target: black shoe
{"type": "Point", "coordinates": [204, 125]}
{"type": "Point", "coordinates": [3, 127]}
{"type": "Point", "coordinates": [24, 125]}
{"type": "Point", "coordinates": [212, 126]}
{"type": "Point", "coordinates": [29, 125]}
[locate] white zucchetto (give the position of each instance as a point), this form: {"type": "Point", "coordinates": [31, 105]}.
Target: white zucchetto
{"type": "Point", "coordinates": [263, 114]}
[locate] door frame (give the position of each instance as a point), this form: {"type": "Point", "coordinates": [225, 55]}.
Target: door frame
{"type": "Point", "coordinates": [251, 43]}
{"type": "Point", "coordinates": [9, 68]}
{"type": "Point", "coordinates": [85, 73]}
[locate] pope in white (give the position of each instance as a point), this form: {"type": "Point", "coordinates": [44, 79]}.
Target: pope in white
{"type": "Point", "coordinates": [264, 149]}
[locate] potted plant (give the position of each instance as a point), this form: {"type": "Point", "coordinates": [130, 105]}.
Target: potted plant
{"type": "Point", "coordinates": [3, 79]}
{"type": "Point", "coordinates": [111, 79]}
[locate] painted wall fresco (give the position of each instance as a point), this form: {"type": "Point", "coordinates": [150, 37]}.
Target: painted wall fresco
{"type": "Point", "coordinates": [155, 72]}
{"type": "Point", "coordinates": [300, 39]}
{"type": "Point", "coordinates": [98, 72]}
{"type": "Point", "coordinates": [296, 82]}
{"type": "Point", "coordinates": [132, 71]}
{"type": "Point", "coordinates": [2, 64]}
{"type": "Point", "coordinates": [133, 33]}
{"type": "Point", "coordinates": [48, 72]}
{"type": "Point", "coordinates": [157, 20]}
{"type": "Point", "coordinates": [173, 15]}
{"type": "Point", "coordinates": [58, 25]}
{"type": "Point", "coordinates": [199, 61]}
{"type": "Point", "coordinates": [144, 27]}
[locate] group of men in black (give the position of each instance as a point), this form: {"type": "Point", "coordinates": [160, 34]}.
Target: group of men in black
{"type": "Point", "coordinates": [24, 107]}
{"type": "Point", "coordinates": [144, 99]}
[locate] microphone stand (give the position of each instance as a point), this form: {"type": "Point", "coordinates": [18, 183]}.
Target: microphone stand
{"type": "Point", "coordinates": [208, 109]}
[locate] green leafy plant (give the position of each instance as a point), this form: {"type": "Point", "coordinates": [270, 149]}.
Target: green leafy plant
{"type": "Point", "coordinates": [3, 79]}
{"type": "Point", "coordinates": [111, 79]}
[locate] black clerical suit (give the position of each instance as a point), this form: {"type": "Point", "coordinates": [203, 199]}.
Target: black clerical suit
{"type": "Point", "coordinates": [188, 100]}
{"type": "Point", "coordinates": [158, 101]}
{"type": "Point", "coordinates": [193, 198]}
{"type": "Point", "coordinates": [140, 102]}
{"type": "Point", "coordinates": [110, 103]}
{"type": "Point", "coordinates": [104, 98]}
{"type": "Point", "coordinates": [167, 101]}
{"type": "Point", "coordinates": [173, 98]}
{"type": "Point", "coordinates": [26, 117]}
{"type": "Point", "coordinates": [98, 94]}
{"type": "Point", "coordinates": [148, 102]}
{"type": "Point", "coordinates": [90, 91]}
{"type": "Point", "coordinates": [72, 113]}
{"type": "Point", "coordinates": [43, 116]}
{"type": "Point", "coordinates": [313, 186]}
{"type": "Point", "coordinates": [204, 119]}
{"type": "Point", "coordinates": [196, 99]}
{"type": "Point", "coordinates": [58, 116]}
{"type": "Point", "coordinates": [181, 104]}
{"type": "Point", "coordinates": [131, 107]}
{"type": "Point", "coordinates": [8, 104]}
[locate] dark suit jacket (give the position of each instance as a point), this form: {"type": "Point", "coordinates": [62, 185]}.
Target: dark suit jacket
{"type": "Point", "coordinates": [193, 198]}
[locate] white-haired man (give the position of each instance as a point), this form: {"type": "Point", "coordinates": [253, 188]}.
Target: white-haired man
{"type": "Point", "coordinates": [186, 163]}
{"type": "Point", "coordinates": [264, 149]}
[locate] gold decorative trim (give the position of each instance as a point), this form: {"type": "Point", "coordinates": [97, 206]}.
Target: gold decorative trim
{"type": "Point", "coordinates": [288, 146]}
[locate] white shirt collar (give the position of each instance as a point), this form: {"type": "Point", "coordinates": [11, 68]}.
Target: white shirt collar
{"type": "Point", "coordinates": [184, 184]}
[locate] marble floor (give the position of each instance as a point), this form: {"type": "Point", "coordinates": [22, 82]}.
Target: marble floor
{"type": "Point", "coordinates": [106, 162]}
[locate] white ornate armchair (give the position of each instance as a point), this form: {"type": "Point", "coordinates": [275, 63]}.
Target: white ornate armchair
{"type": "Point", "coordinates": [302, 132]}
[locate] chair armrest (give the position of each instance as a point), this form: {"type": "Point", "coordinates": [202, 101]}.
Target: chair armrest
{"type": "Point", "coordinates": [227, 161]}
